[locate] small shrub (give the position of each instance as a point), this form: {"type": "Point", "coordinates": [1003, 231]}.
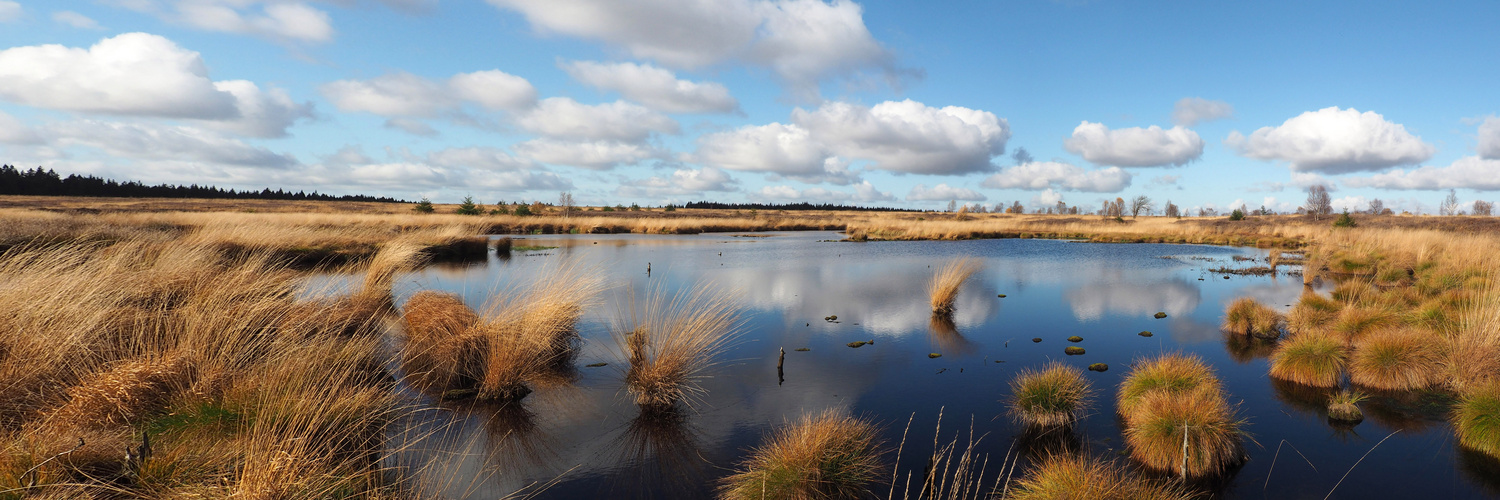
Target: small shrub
{"type": "Point", "coordinates": [468, 207]}
{"type": "Point", "coordinates": [522, 211]}
{"type": "Point", "coordinates": [829, 455]}
{"type": "Point", "coordinates": [1237, 215]}
{"type": "Point", "coordinates": [1344, 220]}
{"type": "Point", "coordinates": [1052, 396]}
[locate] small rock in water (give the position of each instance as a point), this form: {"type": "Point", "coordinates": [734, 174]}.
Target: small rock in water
{"type": "Point", "coordinates": [1037, 340]}
{"type": "Point", "coordinates": [1098, 367]}
{"type": "Point", "coordinates": [1226, 277]}
{"type": "Point", "coordinates": [595, 365]}
{"type": "Point", "coordinates": [803, 349]}
{"type": "Point", "coordinates": [1144, 334]}
{"type": "Point", "coordinates": [858, 343]}
{"type": "Point", "coordinates": [1073, 350]}
{"type": "Point", "coordinates": [1075, 338]}
{"type": "Point", "coordinates": [831, 318]}
{"type": "Point", "coordinates": [1001, 295]}
{"type": "Point", "coordinates": [933, 355]}
{"type": "Point", "coordinates": [1161, 315]}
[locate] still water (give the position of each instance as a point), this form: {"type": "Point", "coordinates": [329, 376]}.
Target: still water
{"type": "Point", "coordinates": [587, 439]}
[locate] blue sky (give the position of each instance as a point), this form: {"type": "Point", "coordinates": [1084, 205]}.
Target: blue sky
{"type": "Point", "coordinates": [910, 104]}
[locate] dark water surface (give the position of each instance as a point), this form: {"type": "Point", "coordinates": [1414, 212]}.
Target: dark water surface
{"type": "Point", "coordinates": [593, 442]}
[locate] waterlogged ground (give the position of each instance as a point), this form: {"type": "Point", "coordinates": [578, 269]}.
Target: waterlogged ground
{"type": "Point", "coordinates": [589, 440]}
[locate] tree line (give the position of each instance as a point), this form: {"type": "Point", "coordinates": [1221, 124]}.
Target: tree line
{"type": "Point", "coordinates": [791, 206]}
{"type": "Point", "coordinates": [39, 182]}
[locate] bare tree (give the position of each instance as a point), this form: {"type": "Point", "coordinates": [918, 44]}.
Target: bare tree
{"type": "Point", "coordinates": [1062, 208]}
{"type": "Point", "coordinates": [1450, 204]}
{"type": "Point", "coordinates": [565, 200]}
{"type": "Point", "coordinates": [1021, 156]}
{"type": "Point", "coordinates": [1376, 206]}
{"type": "Point", "coordinates": [1484, 208]}
{"type": "Point", "coordinates": [1318, 202]}
{"type": "Point", "coordinates": [952, 205]}
{"type": "Point", "coordinates": [1171, 210]}
{"type": "Point", "coordinates": [1016, 208]}
{"type": "Point", "coordinates": [1140, 204]}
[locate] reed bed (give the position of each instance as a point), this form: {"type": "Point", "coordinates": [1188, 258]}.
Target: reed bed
{"type": "Point", "coordinates": [1052, 396]}
{"type": "Point", "coordinates": [945, 284]}
{"type": "Point", "coordinates": [1066, 476]}
{"type": "Point", "coordinates": [1247, 316]}
{"type": "Point", "coordinates": [827, 455]}
{"type": "Point", "coordinates": [671, 342]}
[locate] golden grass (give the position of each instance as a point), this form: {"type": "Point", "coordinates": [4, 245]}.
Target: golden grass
{"type": "Point", "coordinates": [1174, 373]}
{"type": "Point", "coordinates": [1399, 359]}
{"type": "Point", "coordinates": [1052, 396]}
{"type": "Point", "coordinates": [1247, 316]}
{"type": "Point", "coordinates": [1310, 359]}
{"type": "Point", "coordinates": [1163, 421]}
{"type": "Point", "coordinates": [1069, 476]}
{"type": "Point", "coordinates": [1344, 406]}
{"type": "Point", "coordinates": [1354, 322]}
{"type": "Point", "coordinates": [1476, 418]}
{"type": "Point", "coordinates": [440, 351]}
{"type": "Point", "coordinates": [828, 455]}
{"type": "Point", "coordinates": [1311, 312]}
{"type": "Point", "coordinates": [670, 342]}
{"type": "Point", "coordinates": [945, 284]}
{"type": "Point", "coordinates": [123, 394]}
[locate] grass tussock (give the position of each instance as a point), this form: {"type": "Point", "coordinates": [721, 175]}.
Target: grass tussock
{"type": "Point", "coordinates": [1354, 322]}
{"type": "Point", "coordinates": [1344, 406]}
{"type": "Point", "coordinates": [1066, 476]}
{"type": "Point", "coordinates": [1476, 419]}
{"type": "Point", "coordinates": [124, 394]}
{"type": "Point", "coordinates": [1174, 373]}
{"type": "Point", "coordinates": [1162, 422]}
{"type": "Point", "coordinates": [525, 338]}
{"type": "Point", "coordinates": [1311, 312]}
{"type": "Point", "coordinates": [1052, 396]}
{"type": "Point", "coordinates": [828, 455]}
{"type": "Point", "coordinates": [1247, 316]}
{"type": "Point", "coordinates": [950, 277]}
{"type": "Point", "coordinates": [1310, 359]}
{"type": "Point", "coordinates": [670, 342]}
{"type": "Point", "coordinates": [1399, 359]}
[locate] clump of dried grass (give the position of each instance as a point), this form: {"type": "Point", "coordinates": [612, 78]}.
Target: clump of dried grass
{"type": "Point", "coordinates": [671, 341]}
{"type": "Point", "coordinates": [1052, 396]}
{"type": "Point", "coordinates": [829, 455]}
{"type": "Point", "coordinates": [1247, 316]}
{"type": "Point", "coordinates": [945, 284]}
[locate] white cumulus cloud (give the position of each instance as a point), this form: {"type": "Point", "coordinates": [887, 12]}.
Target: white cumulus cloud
{"type": "Point", "coordinates": [619, 120]}
{"type": "Point", "coordinates": [683, 182]}
{"type": "Point", "coordinates": [407, 95]}
{"type": "Point", "coordinates": [1055, 175]}
{"type": "Point", "coordinates": [594, 155]}
{"type": "Point", "coordinates": [654, 87]}
{"type": "Point", "coordinates": [1135, 146]}
{"type": "Point", "coordinates": [908, 136]}
{"type": "Point", "coordinates": [801, 41]}
{"type": "Point", "coordinates": [1489, 138]}
{"type": "Point", "coordinates": [943, 192]}
{"type": "Point", "coordinates": [276, 20]}
{"type": "Point", "coordinates": [784, 150]}
{"type": "Point", "coordinates": [140, 74]}
{"type": "Point", "coordinates": [1334, 141]}
{"type": "Point", "coordinates": [1471, 172]}
{"type": "Point", "coordinates": [1190, 111]}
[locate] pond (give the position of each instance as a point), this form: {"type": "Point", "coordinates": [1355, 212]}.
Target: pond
{"type": "Point", "coordinates": [588, 439]}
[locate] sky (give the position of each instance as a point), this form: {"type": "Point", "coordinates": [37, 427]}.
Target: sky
{"type": "Point", "coordinates": [879, 103]}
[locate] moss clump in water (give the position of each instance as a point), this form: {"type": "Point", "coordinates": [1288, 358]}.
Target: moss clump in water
{"type": "Point", "coordinates": [1145, 333]}
{"type": "Point", "coordinates": [1073, 350]}
{"type": "Point", "coordinates": [1098, 367]}
{"type": "Point", "coordinates": [1161, 315]}
{"type": "Point", "coordinates": [1075, 338]}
